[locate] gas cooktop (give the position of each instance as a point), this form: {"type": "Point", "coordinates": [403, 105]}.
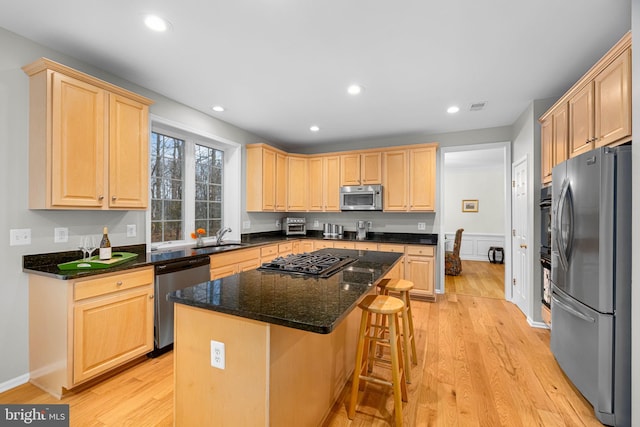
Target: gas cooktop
{"type": "Point", "coordinates": [317, 265]}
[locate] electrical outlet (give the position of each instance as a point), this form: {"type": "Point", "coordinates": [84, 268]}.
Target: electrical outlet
{"type": "Point", "coordinates": [21, 236]}
{"type": "Point", "coordinates": [246, 225]}
{"type": "Point", "coordinates": [217, 354]}
{"type": "Point", "coordinates": [278, 223]}
{"type": "Point", "coordinates": [131, 230]}
{"type": "Point", "coordinates": [422, 226]}
{"type": "Point", "coordinates": [316, 223]}
{"type": "Point", "coordinates": [60, 235]}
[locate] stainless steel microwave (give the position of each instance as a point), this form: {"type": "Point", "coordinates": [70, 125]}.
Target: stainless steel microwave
{"type": "Point", "coordinates": [361, 198]}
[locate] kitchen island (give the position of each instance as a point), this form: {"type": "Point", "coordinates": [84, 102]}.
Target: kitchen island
{"type": "Point", "coordinates": [289, 343]}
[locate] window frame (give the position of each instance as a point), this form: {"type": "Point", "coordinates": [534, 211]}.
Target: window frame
{"type": "Point", "coordinates": [231, 179]}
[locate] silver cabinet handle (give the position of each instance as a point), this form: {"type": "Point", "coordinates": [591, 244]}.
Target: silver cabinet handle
{"type": "Point", "coordinates": [101, 197]}
{"type": "Point", "coordinates": [119, 283]}
{"type": "Point", "coordinates": [113, 198]}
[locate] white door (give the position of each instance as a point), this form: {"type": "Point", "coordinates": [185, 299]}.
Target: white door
{"type": "Point", "coordinates": [519, 238]}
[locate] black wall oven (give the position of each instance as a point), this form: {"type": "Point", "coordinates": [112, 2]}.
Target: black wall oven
{"type": "Point", "coordinates": [545, 243]}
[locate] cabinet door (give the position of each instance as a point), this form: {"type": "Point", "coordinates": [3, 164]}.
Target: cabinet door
{"type": "Point", "coordinates": [546, 147]}
{"type": "Point", "coordinates": [268, 180]}
{"type": "Point", "coordinates": [281, 182]}
{"type": "Point", "coordinates": [419, 270]}
{"type": "Point", "coordinates": [350, 169]}
{"type": "Point", "coordinates": [128, 153]}
{"type": "Point", "coordinates": [332, 184]}
{"type": "Point", "coordinates": [112, 330]}
{"type": "Point", "coordinates": [581, 121]}
{"type": "Point", "coordinates": [560, 135]}
{"type": "Point", "coordinates": [371, 168]}
{"type": "Point", "coordinates": [422, 179]}
{"type": "Point", "coordinates": [613, 101]}
{"type": "Point", "coordinates": [395, 181]}
{"type": "Point", "coordinates": [297, 184]}
{"type": "Point", "coordinates": [77, 143]}
{"type": "Point", "coordinates": [316, 184]}
{"type": "Point", "coordinates": [322, 244]}
{"type": "Point", "coordinates": [224, 271]}
{"type": "Point", "coordinates": [306, 246]}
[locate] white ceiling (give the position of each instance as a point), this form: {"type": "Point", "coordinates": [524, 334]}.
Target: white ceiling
{"type": "Point", "coordinates": [279, 66]}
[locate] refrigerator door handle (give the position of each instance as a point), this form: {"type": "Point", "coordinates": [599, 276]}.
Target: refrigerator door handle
{"type": "Point", "coordinates": [563, 240]}
{"type": "Point", "coordinates": [572, 310]}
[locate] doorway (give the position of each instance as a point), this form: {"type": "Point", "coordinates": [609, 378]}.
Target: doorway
{"type": "Point", "coordinates": [481, 174]}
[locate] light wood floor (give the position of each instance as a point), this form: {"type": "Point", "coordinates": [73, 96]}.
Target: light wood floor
{"type": "Point", "coordinates": [480, 364]}
{"type": "Point", "coordinates": [479, 279]}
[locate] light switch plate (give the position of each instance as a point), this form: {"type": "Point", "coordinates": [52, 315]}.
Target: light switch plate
{"type": "Point", "coordinates": [246, 225]}
{"type": "Point", "coordinates": [131, 230]}
{"type": "Point", "coordinates": [217, 354]}
{"type": "Point", "coordinates": [60, 235]}
{"type": "Point", "coordinates": [20, 236]}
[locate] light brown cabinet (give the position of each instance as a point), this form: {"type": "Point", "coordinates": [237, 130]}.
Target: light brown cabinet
{"type": "Point", "coordinates": [409, 179]}
{"type": "Point", "coordinates": [70, 322]}
{"type": "Point", "coordinates": [230, 263]}
{"type": "Point", "coordinates": [419, 268]}
{"type": "Point", "coordinates": [88, 141]}
{"type": "Point", "coordinates": [554, 141]}
{"type": "Point", "coordinates": [324, 184]}
{"type": "Point", "coordinates": [297, 184]}
{"type": "Point", "coordinates": [361, 168]}
{"type": "Point", "coordinates": [598, 110]}
{"type": "Point", "coordinates": [266, 179]}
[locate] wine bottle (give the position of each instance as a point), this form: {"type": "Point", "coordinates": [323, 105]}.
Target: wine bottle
{"type": "Point", "coordinates": [105, 245]}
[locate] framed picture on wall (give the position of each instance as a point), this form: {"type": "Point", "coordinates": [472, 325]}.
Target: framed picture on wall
{"type": "Point", "coordinates": [470, 205]}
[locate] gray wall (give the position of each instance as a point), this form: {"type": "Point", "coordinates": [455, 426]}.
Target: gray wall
{"type": "Point", "coordinates": [635, 240]}
{"type": "Point", "coordinates": [14, 134]}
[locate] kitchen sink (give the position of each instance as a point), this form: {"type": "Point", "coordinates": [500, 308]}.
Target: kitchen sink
{"type": "Point", "coordinates": [219, 248]}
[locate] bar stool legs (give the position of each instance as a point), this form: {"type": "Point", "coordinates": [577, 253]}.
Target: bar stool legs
{"type": "Point", "coordinates": [388, 307]}
{"type": "Point", "coordinates": [409, 342]}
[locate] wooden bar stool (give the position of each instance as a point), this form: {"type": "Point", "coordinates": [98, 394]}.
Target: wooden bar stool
{"type": "Point", "coordinates": [409, 342]}
{"type": "Point", "coordinates": [389, 307]}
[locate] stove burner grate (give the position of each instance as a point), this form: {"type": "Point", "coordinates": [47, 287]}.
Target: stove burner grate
{"type": "Point", "coordinates": [321, 265]}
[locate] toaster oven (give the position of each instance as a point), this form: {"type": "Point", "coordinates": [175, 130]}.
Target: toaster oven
{"type": "Point", "coordinates": [294, 226]}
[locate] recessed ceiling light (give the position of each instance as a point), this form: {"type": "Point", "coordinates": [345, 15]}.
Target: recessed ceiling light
{"type": "Point", "coordinates": [452, 110]}
{"type": "Point", "coordinates": [218, 108]}
{"type": "Point", "coordinates": [156, 23]}
{"type": "Point", "coordinates": [354, 89]}
{"type": "Point", "coordinates": [314, 128]}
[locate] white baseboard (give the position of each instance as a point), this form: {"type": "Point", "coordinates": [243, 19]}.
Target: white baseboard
{"type": "Point", "coordinates": [15, 382]}
{"type": "Point", "coordinates": [535, 324]}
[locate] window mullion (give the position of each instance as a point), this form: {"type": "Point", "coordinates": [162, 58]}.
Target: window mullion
{"type": "Point", "coordinates": [189, 188]}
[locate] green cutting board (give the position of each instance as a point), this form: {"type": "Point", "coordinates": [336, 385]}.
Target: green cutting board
{"type": "Point", "coordinates": [95, 262]}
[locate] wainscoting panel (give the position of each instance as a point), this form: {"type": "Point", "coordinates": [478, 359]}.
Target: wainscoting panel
{"type": "Point", "coordinates": [475, 246]}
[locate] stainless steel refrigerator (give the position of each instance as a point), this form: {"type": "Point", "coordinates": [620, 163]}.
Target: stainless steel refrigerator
{"type": "Point", "coordinates": [591, 278]}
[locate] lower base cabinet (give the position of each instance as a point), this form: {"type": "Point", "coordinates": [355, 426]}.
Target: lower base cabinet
{"type": "Point", "coordinates": [230, 263]}
{"type": "Point", "coordinates": [80, 329]}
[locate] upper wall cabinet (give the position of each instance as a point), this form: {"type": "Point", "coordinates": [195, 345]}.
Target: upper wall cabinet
{"type": "Point", "coordinates": [324, 184]}
{"type": "Point", "coordinates": [361, 168]}
{"type": "Point", "coordinates": [409, 179]}
{"type": "Point", "coordinates": [88, 141]}
{"type": "Point", "coordinates": [598, 110]}
{"type": "Point", "coordinates": [297, 184]}
{"type": "Point", "coordinates": [266, 179]}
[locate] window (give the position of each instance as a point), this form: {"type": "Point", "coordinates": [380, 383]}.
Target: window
{"type": "Point", "coordinates": [187, 185]}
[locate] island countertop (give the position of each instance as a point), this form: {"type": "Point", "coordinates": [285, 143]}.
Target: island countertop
{"type": "Point", "coordinates": [301, 302]}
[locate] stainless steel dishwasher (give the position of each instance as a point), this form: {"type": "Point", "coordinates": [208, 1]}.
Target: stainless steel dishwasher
{"type": "Point", "coordinates": [171, 276]}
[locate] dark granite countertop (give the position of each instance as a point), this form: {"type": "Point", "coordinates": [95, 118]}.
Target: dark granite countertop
{"type": "Point", "coordinates": [301, 302]}
{"type": "Point", "coordinates": [47, 264]}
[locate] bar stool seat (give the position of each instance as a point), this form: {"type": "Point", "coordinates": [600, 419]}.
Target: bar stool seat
{"type": "Point", "coordinates": [389, 307]}
{"type": "Point", "coordinates": [403, 287]}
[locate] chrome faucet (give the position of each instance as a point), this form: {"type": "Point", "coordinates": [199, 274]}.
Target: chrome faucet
{"type": "Point", "coordinates": [220, 233]}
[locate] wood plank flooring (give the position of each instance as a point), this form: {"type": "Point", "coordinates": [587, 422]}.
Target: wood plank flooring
{"type": "Point", "coordinates": [480, 364]}
{"type": "Point", "coordinates": [479, 279]}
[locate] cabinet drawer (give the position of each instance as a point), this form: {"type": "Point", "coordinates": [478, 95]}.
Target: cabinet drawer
{"type": "Point", "coordinates": [344, 245]}
{"type": "Point", "coordinates": [420, 250]}
{"type": "Point", "coordinates": [269, 251]}
{"type": "Point", "coordinates": [385, 247]}
{"type": "Point", "coordinates": [366, 246]}
{"type": "Point", "coordinates": [233, 257]}
{"type": "Point", "coordinates": [112, 283]}
{"type": "Point", "coordinates": [285, 248]}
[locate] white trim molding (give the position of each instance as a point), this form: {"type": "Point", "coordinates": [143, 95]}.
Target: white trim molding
{"type": "Point", "coordinates": [475, 246]}
{"type": "Point", "coordinates": [14, 382]}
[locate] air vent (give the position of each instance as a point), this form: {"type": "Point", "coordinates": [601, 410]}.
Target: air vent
{"type": "Point", "coordinates": [477, 106]}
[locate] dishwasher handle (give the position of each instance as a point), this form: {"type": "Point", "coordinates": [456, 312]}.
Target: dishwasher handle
{"type": "Point", "coordinates": [183, 264]}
